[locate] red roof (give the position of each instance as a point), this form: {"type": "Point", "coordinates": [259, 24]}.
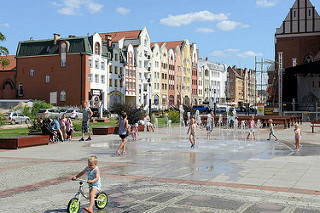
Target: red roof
{"type": "Point", "coordinates": [169, 44]}
{"type": "Point", "coordinates": [116, 36]}
{"type": "Point", "coordinates": [12, 65]}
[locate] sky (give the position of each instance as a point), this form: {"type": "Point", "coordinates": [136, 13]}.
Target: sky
{"type": "Point", "coordinates": [229, 32]}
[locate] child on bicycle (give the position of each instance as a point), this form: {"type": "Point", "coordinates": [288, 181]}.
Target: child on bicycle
{"type": "Point", "coordinates": [94, 180]}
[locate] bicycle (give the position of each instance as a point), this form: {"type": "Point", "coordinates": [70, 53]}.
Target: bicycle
{"type": "Point", "coordinates": [101, 199]}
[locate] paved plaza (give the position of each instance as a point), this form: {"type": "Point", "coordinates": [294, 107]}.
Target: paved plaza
{"type": "Point", "coordinates": [161, 173]}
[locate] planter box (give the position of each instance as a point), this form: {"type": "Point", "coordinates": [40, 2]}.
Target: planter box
{"type": "Point", "coordinates": [23, 141]}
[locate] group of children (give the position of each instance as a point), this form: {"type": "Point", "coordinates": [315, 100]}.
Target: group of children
{"type": "Point", "coordinates": [193, 126]}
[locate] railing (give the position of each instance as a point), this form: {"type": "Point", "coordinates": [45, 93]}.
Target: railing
{"type": "Point", "coordinates": [306, 116]}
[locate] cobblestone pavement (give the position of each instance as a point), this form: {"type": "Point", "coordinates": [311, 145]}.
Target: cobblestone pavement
{"type": "Point", "coordinates": [161, 173]}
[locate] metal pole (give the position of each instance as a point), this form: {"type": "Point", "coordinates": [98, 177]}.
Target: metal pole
{"type": "Point", "coordinates": [150, 101]}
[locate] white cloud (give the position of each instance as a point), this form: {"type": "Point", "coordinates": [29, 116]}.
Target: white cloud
{"type": "Point", "coordinates": [265, 3]}
{"type": "Point", "coordinates": [184, 19]}
{"type": "Point", "coordinates": [234, 53]}
{"type": "Point", "coordinates": [122, 10]}
{"type": "Point", "coordinates": [219, 53]}
{"type": "Point", "coordinates": [230, 25]}
{"type": "Point", "coordinates": [73, 7]}
{"type": "Point", "coordinates": [249, 54]}
{"type": "Point", "coordinates": [205, 30]}
{"type": "Point", "coordinates": [5, 24]}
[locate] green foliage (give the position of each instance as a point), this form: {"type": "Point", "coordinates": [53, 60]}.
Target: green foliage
{"type": "Point", "coordinates": [174, 116]}
{"type": "Point", "coordinates": [134, 114]}
{"type": "Point", "coordinates": [34, 125]}
{"type": "Point", "coordinates": [2, 120]}
{"type": "Point", "coordinates": [3, 51]}
{"type": "Point", "coordinates": [38, 104]}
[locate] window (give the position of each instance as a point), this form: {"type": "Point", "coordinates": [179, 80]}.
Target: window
{"type": "Point", "coordinates": [90, 77]}
{"type": "Point", "coordinates": [116, 57]}
{"type": "Point", "coordinates": [47, 78]}
{"type": "Point", "coordinates": [62, 96]}
{"type": "Point", "coordinates": [102, 65]}
{"type": "Point", "coordinates": [103, 79]}
{"type": "Point", "coordinates": [294, 62]}
{"type": "Point", "coordinates": [121, 70]}
{"type": "Point", "coordinates": [32, 72]}
{"type": "Point", "coordinates": [96, 64]}
{"type": "Point", "coordinates": [20, 89]}
{"type": "Point", "coordinates": [90, 62]}
{"type": "Point", "coordinates": [63, 63]}
{"type": "Point", "coordinates": [96, 78]}
{"type": "Point", "coordinates": [140, 64]}
{"type": "Point", "coordinates": [110, 69]}
{"type": "Point", "coordinates": [97, 48]}
{"type": "Point", "coordinates": [116, 70]}
{"type": "Point", "coordinates": [110, 82]}
{"type": "Point", "coordinates": [116, 83]}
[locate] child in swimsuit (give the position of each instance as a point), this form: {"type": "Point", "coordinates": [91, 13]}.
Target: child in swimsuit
{"type": "Point", "coordinates": [193, 126]}
{"type": "Point", "coordinates": [297, 136]}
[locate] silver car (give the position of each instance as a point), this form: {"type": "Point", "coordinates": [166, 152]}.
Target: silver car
{"type": "Point", "coordinates": [48, 113]}
{"type": "Point", "coordinates": [16, 117]}
{"type": "Point", "coordinates": [74, 113]}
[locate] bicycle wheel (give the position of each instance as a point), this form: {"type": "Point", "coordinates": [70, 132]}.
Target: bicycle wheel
{"type": "Point", "coordinates": [73, 205]}
{"type": "Point", "coordinates": [101, 200]}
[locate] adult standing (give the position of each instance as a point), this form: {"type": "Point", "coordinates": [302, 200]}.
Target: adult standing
{"type": "Point", "coordinates": [63, 122]}
{"type": "Point", "coordinates": [87, 114]}
{"type": "Point", "coordinates": [123, 133]}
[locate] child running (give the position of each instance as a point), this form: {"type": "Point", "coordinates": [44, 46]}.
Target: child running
{"type": "Point", "coordinates": [297, 136]}
{"type": "Point", "coordinates": [251, 128]}
{"type": "Point", "coordinates": [193, 126]}
{"type": "Point", "coordinates": [123, 133]}
{"type": "Point", "coordinates": [94, 180]}
{"type": "Point", "coordinates": [271, 130]}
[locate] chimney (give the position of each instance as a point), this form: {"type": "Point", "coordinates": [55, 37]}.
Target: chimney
{"type": "Point", "coordinates": [56, 37]}
{"type": "Point", "coordinates": [108, 39]}
{"type": "Point", "coordinates": [206, 58]}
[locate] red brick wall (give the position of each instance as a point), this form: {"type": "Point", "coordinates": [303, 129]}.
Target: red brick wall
{"type": "Point", "coordinates": [66, 78]}
{"type": "Point", "coordinates": [7, 92]}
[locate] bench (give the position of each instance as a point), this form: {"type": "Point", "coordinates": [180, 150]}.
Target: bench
{"type": "Point", "coordinates": [94, 120]}
{"type": "Point", "coordinates": [314, 124]}
{"type": "Point", "coordinates": [107, 130]}
{"type": "Point", "coordinates": [23, 141]}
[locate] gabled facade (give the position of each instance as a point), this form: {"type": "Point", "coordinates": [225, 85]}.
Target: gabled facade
{"type": "Point", "coordinates": [194, 62]}
{"type": "Point", "coordinates": [7, 76]}
{"type": "Point", "coordinates": [61, 67]}
{"type": "Point", "coordinates": [186, 74]}
{"type": "Point", "coordinates": [164, 76]}
{"type": "Point", "coordinates": [156, 74]}
{"type": "Point", "coordinates": [297, 42]}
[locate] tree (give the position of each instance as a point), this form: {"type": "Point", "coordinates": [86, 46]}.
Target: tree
{"type": "Point", "coordinates": [3, 51]}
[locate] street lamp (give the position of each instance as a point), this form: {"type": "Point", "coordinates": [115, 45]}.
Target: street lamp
{"type": "Point", "coordinates": [121, 77]}
{"type": "Point", "coordinates": [214, 101]}
{"type": "Point", "coordinates": [149, 81]}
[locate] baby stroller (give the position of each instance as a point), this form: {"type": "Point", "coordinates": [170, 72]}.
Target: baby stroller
{"type": "Point", "coordinates": [48, 130]}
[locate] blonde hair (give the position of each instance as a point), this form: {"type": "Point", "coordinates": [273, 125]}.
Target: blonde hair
{"type": "Point", "coordinates": [93, 159]}
{"type": "Point", "coordinates": [252, 117]}
{"type": "Point", "coordinates": [296, 125]}
{"type": "Point", "coordinates": [270, 120]}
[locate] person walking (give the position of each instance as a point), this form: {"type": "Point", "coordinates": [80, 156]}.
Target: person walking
{"type": "Point", "coordinates": [87, 114]}
{"type": "Point", "coordinates": [271, 130]}
{"type": "Point", "coordinates": [123, 133]}
{"type": "Point", "coordinates": [251, 128]}
{"type": "Point", "coordinates": [63, 125]}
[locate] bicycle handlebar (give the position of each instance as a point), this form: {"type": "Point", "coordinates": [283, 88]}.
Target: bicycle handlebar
{"type": "Point", "coordinates": [80, 180]}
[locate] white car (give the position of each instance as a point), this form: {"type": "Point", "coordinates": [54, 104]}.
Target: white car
{"type": "Point", "coordinates": [74, 113]}
{"type": "Point", "coordinates": [45, 113]}
{"type": "Point", "coordinates": [16, 117]}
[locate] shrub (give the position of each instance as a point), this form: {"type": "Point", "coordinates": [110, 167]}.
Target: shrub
{"type": "Point", "coordinates": [2, 120]}
{"type": "Point", "coordinates": [31, 112]}
{"type": "Point", "coordinates": [174, 116]}
{"type": "Point", "coordinates": [133, 114]}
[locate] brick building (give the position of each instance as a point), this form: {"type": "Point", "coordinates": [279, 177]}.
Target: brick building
{"type": "Point", "coordinates": [8, 80]}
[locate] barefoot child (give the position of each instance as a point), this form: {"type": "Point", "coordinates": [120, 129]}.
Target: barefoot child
{"type": "Point", "coordinates": [193, 126]}
{"type": "Point", "coordinates": [94, 180]}
{"type": "Point", "coordinates": [135, 131]}
{"type": "Point", "coordinates": [297, 136]}
{"type": "Point", "coordinates": [210, 123]}
{"type": "Point", "coordinates": [271, 130]}
{"type": "Point", "coordinates": [123, 133]}
{"type": "Point", "coordinates": [251, 128]}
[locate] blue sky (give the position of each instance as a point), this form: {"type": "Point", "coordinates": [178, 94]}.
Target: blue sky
{"type": "Point", "coordinates": [226, 31]}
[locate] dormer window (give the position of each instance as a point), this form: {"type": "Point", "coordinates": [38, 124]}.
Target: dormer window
{"type": "Point", "coordinates": [97, 48]}
{"type": "Point", "coordinates": [63, 55]}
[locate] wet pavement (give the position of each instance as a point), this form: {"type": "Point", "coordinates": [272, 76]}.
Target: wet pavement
{"type": "Point", "coordinates": [161, 173]}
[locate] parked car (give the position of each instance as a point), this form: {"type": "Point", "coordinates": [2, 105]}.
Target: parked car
{"type": "Point", "coordinates": [201, 108]}
{"type": "Point", "coordinates": [221, 109]}
{"type": "Point", "coordinates": [74, 113]}
{"type": "Point", "coordinates": [16, 117]}
{"type": "Point", "coordinates": [95, 111]}
{"type": "Point", "coordinates": [62, 111]}
{"type": "Point", "coordinates": [48, 113]}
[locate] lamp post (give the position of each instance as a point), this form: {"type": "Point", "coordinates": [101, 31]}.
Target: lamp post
{"type": "Point", "coordinates": [149, 81]}
{"type": "Point", "coordinates": [121, 84]}
{"type": "Point", "coordinates": [214, 101]}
